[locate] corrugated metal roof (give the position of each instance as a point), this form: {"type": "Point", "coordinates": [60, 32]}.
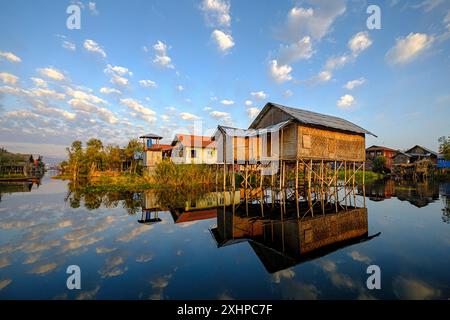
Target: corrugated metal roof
{"type": "Point", "coordinates": [313, 118]}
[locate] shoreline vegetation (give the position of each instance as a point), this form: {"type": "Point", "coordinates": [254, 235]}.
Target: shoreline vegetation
{"type": "Point", "coordinates": [167, 175]}
{"type": "Point", "coordinates": [96, 167]}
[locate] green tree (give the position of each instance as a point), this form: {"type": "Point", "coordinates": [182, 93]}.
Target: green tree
{"type": "Point", "coordinates": [379, 164]}
{"type": "Point", "coordinates": [75, 162]}
{"type": "Point", "coordinates": [133, 146]}
{"type": "Point", "coordinates": [113, 158]}
{"type": "Point", "coordinates": [94, 155]}
{"type": "Point", "coordinates": [444, 147]}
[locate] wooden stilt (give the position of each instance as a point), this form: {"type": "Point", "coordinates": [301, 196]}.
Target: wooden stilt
{"type": "Point", "coordinates": [364, 183]}
{"type": "Point", "coordinates": [296, 189]}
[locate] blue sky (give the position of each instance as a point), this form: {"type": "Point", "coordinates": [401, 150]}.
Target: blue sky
{"type": "Point", "coordinates": [168, 66]}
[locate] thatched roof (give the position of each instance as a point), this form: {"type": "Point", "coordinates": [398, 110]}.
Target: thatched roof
{"type": "Point", "coordinates": [312, 118]}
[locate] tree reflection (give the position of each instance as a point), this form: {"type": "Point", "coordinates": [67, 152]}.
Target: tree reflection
{"type": "Point", "coordinates": [446, 209]}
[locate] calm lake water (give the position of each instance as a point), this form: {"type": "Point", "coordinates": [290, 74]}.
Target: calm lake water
{"type": "Point", "coordinates": [162, 245]}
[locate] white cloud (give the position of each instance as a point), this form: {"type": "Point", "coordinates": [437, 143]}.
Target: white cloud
{"type": "Point", "coordinates": [428, 5]}
{"type": "Point", "coordinates": [227, 102]}
{"type": "Point", "coordinates": [147, 83]}
{"type": "Point", "coordinates": [336, 62]}
{"type": "Point", "coordinates": [321, 77]}
{"type": "Point", "coordinates": [288, 93]}
{"type": "Point", "coordinates": [217, 12]}
{"type": "Point", "coordinates": [106, 90]}
{"type": "Point", "coordinates": [314, 21]}
{"type": "Point", "coordinates": [39, 82]}
{"type": "Point", "coordinates": [144, 112]}
{"type": "Point", "coordinates": [225, 117]}
{"type": "Point", "coordinates": [180, 88]}
{"type": "Point", "coordinates": [447, 19]}
{"type": "Point", "coordinates": [354, 83]}
{"type": "Point", "coordinates": [346, 101]}
{"type": "Point", "coordinates": [88, 108]}
{"type": "Point", "coordinates": [248, 103]}
{"type": "Point", "coordinates": [223, 40]}
{"type": "Point", "coordinates": [302, 49]}
{"type": "Point", "coordinates": [189, 116]}
{"type": "Point", "coordinates": [121, 81]}
{"type": "Point", "coordinates": [92, 46]}
{"type": "Point", "coordinates": [121, 71]}
{"type": "Point", "coordinates": [48, 93]}
{"type": "Point", "coordinates": [93, 8]}
{"type": "Point", "coordinates": [207, 108]}
{"type": "Point", "coordinates": [280, 73]}
{"type": "Point", "coordinates": [408, 48]}
{"type": "Point", "coordinates": [161, 57]}
{"type": "Point", "coordinates": [165, 117]}
{"type": "Point", "coordinates": [52, 73]}
{"type": "Point", "coordinates": [8, 78]}
{"type": "Point", "coordinates": [69, 45]}
{"type": "Point", "coordinates": [359, 42]}
{"type": "Point", "coordinates": [81, 95]}
{"type": "Point", "coordinates": [118, 74]}
{"type": "Point", "coordinates": [324, 76]}
{"type": "Point", "coordinates": [260, 95]}
{"type": "Point", "coordinates": [10, 56]}
{"type": "Point", "coordinates": [45, 110]}
{"type": "Point", "coordinates": [252, 112]}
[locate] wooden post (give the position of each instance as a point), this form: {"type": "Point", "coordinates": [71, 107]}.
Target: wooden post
{"type": "Point", "coordinates": [336, 200]}
{"type": "Point", "coordinates": [364, 183]}
{"type": "Point", "coordinates": [309, 187]}
{"type": "Point", "coordinates": [354, 184]}
{"type": "Point", "coordinates": [261, 187]}
{"type": "Point", "coordinates": [246, 188]}
{"type": "Point", "coordinates": [345, 184]}
{"type": "Point", "coordinates": [272, 185]}
{"type": "Point", "coordinates": [296, 189]}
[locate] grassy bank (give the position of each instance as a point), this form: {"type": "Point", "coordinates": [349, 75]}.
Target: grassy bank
{"type": "Point", "coordinates": [165, 175]}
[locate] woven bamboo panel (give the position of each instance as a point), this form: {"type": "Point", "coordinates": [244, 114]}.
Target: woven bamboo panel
{"type": "Point", "coordinates": [330, 145]}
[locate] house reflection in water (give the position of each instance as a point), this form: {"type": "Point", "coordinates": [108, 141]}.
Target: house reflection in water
{"type": "Point", "coordinates": [187, 207]}
{"type": "Point", "coordinates": [419, 194]}
{"type": "Point", "coordinates": [282, 243]}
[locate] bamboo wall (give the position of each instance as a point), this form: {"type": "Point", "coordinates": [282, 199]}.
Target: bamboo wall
{"type": "Point", "coordinates": [290, 143]}
{"type": "Point", "coordinates": [321, 144]}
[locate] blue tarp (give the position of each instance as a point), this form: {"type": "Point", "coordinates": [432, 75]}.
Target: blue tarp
{"type": "Point", "coordinates": [443, 164]}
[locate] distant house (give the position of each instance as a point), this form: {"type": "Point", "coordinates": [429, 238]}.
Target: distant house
{"type": "Point", "coordinates": [401, 158]}
{"type": "Point", "coordinates": [188, 148]}
{"type": "Point", "coordinates": [419, 153]}
{"type": "Point", "coordinates": [379, 151]}
{"type": "Point", "coordinates": [415, 154]}
{"type": "Point", "coordinates": [17, 164]}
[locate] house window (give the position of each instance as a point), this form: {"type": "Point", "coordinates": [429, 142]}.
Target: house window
{"type": "Point", "coordinates": [193, 153]}
{"type": "Point", "coordinates": [210, 153]}
{"type": "Point", "coordinates": [180, 153]}
{"type": "Point", "coordinates": [269, 144]}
